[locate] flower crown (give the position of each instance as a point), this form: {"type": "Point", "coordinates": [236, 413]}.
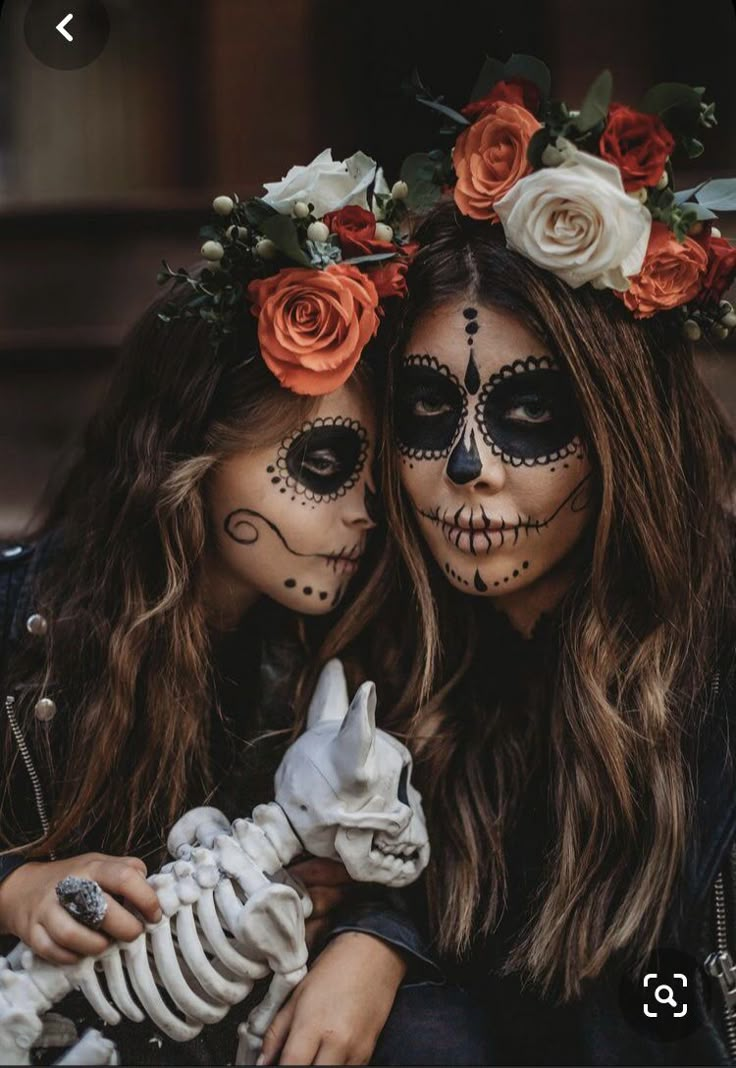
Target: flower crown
{"type": "Point", "coordinates": [590, 194]}
{"type": "Point", "coordinates": [310, 260]}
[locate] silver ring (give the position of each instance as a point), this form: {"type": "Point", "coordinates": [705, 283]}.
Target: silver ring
{"type": "Point", "coordinates": [83, 899]}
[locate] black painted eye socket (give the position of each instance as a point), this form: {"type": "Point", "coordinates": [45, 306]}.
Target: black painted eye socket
{"type": "Point", "coordinates": [530, 415]}
{"type": "Point", "coordinates": [403, 792]}
{"type": "Point", "coordinates": [325, 458]}
{"type": "Point", "coordinates": [428, 410]}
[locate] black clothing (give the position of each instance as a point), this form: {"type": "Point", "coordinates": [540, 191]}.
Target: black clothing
{"type": "Point", "coordinates": [255, 666]}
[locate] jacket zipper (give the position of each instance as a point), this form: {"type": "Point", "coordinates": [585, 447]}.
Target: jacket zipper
{"type": "Point", "coordinates": [28, 761]}
{"type": "Point", "coordinates": [719, 965]}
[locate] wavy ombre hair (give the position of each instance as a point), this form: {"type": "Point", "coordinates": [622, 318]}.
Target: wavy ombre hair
{"type": "Point", "coordinates": [128, 653]}
{"type": "Point", "coordinates": [638, 636]}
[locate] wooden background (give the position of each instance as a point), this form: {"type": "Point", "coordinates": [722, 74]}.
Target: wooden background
{"type": "Point", "coordinates": [105, 170]}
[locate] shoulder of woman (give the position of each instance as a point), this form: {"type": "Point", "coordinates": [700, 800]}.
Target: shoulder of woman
{"type": "Point", "coordinates": [21, 563]}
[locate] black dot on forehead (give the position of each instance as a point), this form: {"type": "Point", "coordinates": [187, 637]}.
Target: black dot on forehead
{"type": "Point", "coordinates": [470, 313]}
{"type": "Point", "coordinates": [472, 328]}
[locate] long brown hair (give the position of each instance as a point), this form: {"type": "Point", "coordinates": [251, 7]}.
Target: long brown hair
{"type": "Point", "coordinates": [128, 653]}
{"type": "Point", "coordinates": [637, 635]}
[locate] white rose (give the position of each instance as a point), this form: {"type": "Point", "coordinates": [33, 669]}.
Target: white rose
{"type": "Point", "coordinates": [326, 183]}
{"type": "Point", "coordinates": [577, 221]}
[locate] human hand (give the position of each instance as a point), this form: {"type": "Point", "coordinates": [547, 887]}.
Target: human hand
{"type": "Point", "coordinates": [339, 1009]}
{"type": "Point", "coordinates": [30, 909]}
{"type": "Point", "coordinates": [329, 886]}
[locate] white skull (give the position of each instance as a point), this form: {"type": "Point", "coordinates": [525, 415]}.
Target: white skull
{"type": "Point", "coordinates": [345, 787]}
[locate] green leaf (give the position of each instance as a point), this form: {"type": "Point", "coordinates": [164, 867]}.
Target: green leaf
{"type": "Point", "coordinates": [718, 194]}
{"type": "Point", "coordinates": [539, 141]}
{"type": "Point", "coordinates": [373, 258]}
{"type": "Point", "coordinates": [256, 211]}
{"type": "Point", "coordinates": [596, 103]}
{"type": "Point", "coordinates": [491, 72]}
{"type": "Point", "coordinates": [423, 196]}
{"type": "Point", "coordinates": [281, 229]}
{"type": "Point", "coordinates": [450, 113]}
{"type": "Point", "coordinates": [531, 68]}
{"type": "Point", "coordinates": [677, 105]}
{"type": "Point", "coordinates": [418, 167]}
{"type": "Point", "coordinates": [692, 146]}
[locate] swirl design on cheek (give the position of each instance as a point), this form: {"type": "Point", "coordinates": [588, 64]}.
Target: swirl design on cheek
{"type": "Point", "coordinates": [431, 407]}
{"type": "Point", "coordinates": [527, 413]}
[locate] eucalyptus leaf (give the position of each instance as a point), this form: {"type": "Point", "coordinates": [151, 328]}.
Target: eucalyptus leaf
{"type": "Point", "coordinates": [423, 196]}
{"type": "Point", "coordinates": [530, 68]}
{"type": "Point", "coordinates": [537, 144]}
{"type": "Point", "coordinates": [597, 102]}
{"type": "Point", "coordinates": [210, 232]}
{"type": "Point", "coordinates": [257, 211]}
{"type": "Point", "coordinates": [373, 258]}
{"type": "Point", "coordinates": [688, 194]}
{"type": "Point", "coordinates": [418, 167]}
{"type": "Point", "coordinates": [719, 194]}
{"type": "Point", "coordinates": [491, 72]}
{"type": "Point", "coordinates": [281, 229]}
{"type": "Point", "coordinates": [449, 113]}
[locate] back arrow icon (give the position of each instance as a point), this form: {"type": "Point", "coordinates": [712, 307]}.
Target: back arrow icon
{"type": "Point", "coordinates": [62, 24]}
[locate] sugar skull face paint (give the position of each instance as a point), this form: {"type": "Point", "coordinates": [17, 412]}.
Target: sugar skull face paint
{"type": "Point", "coordinates": [492, 448]}
{"type": "Point", "coordinates": [291, 519]}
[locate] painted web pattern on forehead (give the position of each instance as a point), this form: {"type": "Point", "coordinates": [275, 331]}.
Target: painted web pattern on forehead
{"type": "Point", "coordinates": [531, 363]}
{"type": "Point", "coordinates": [293, 483]}
{"type": "Point", "coordinates": [432, 362]}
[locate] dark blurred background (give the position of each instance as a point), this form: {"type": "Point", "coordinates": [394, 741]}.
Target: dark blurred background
{"type": "Point", "coordinates": [105, 170]}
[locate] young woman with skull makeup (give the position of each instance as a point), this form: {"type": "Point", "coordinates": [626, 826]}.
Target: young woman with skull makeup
{"type": "Point", "coordinates": [167, 619]}
{"type": "Point", "coordinates": [560, 486]}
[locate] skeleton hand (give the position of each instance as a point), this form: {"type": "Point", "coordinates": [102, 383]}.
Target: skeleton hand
{"type": "Point", "coordinates": [29, 908]}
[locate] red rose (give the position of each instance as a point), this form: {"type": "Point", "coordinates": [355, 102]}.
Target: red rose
{"type": "Point", "coordinates": [720, 272]}
{"type": "Point", "coordinates": [356, 230]}
{"type": "Point", "coordinates": [636, 143]}
{"type": "Point", "coordinates": [389, 278]}
{"type": "Point", "coordinates": [515, 91]}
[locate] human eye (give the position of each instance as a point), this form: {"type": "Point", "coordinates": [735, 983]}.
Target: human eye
{"type": "Point", "coordinates": [531, 409]}
{"type": "Point", "coordinates": [324, 462]}
{"type": "Point", "coordinates": [430, 404]}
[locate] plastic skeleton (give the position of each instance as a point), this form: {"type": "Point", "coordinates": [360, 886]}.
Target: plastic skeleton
{"type": "Point", "coordinates": [231, 914]}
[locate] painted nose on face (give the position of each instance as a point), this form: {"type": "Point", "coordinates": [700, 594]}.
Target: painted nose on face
{"type": "Point", "coordinates": [466, 464]}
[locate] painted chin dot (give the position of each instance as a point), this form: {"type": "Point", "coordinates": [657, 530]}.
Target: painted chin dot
{"type": "Point", "coordinates": [525, 565]}
{"type": "Point", "coordinates": [275, 480]}
{"type": "Point", "coordinates": [506, 579]}
{"type": "Point", "coordinates": [323, 595]}
{"type": "Point", "coordinates": [516, 574]}
{"type": "Point", "coordinates": [282, 490]}
{"type": "Point", "coordinates": [496, 583]}
{"type": "Point", "coordinates": [308, 591]}
{"type": "Point", "coordinates": [290, 584]}
{"type": "Point", "coordinates": [270, 469]}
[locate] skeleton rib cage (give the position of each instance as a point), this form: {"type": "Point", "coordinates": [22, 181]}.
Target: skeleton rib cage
{"type": "Point", "coordinates": [231, 914]}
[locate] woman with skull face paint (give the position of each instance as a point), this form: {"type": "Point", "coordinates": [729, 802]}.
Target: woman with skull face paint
{"type": "Point", "coordinates": [560, 485]}
{"type": "Point", "coordinates": [163, 631]}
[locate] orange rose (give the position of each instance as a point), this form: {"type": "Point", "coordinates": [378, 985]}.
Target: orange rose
{"type": "Point", "coordinates": [313, 325]}
{"type": "Point", "coordinates": [671, 275]}
{"type": "Point", "coordinates": [490, 157]}
{"type": "Point", "coordinates": [390, 278]}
